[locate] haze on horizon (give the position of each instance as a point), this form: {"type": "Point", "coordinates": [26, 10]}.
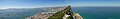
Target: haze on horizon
{"type": "Point", "coordinates": [55, 3]}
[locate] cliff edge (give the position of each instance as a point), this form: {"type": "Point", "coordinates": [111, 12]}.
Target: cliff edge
{"type": "Point", "coordinates": [66, 13]}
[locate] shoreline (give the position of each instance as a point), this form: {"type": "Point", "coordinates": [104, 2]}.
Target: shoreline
{"type": "Point", "coordinates": [46, 15]}
{"type": "Point", "coordinates": [77, 16]}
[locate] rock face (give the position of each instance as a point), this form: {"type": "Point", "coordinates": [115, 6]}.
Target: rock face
{"type": "Point", "coordinates": [60, 14]}
{"type": "Point", "coordinates": [66, 13]}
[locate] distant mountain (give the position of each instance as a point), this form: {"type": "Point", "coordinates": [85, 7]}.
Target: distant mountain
{"type": "Point", "coordinates": [17, 13]}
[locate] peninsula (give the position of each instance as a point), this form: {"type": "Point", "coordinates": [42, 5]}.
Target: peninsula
{"type": "Point", "coordinates": [65, 13]}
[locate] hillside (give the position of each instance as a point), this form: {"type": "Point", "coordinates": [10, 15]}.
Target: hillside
{"type": "Point", "coordinates": [67, 13]}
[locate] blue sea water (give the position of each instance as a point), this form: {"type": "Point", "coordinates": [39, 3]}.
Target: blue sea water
{"type": "Point", "coordinates": [18, 13]}
{"type": "Point", "coordinates": [98, 12]}
{"type": "Point", "coordinates": [85, 12]}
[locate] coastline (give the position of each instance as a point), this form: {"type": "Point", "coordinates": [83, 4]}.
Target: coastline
{"type": "Point", "coordinates": [77, 16]}
{"type": "Point", "coordinates": [46, 15]}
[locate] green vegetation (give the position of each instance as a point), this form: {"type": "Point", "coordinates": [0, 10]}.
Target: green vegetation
{"type": "Point", "coordinates": [60, 14]}
{"type": "Point", "coordinates": [68, 17]}
{"type": "Point", "coordinates": [57, 15]}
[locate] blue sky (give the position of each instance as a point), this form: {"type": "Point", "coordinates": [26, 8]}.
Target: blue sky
{"type": "Point", "coordinates": [99, 2]}
{"type": "Point", "coordinates": [31, 3]}
{"type": "Point", "coordinates": [51, 3]}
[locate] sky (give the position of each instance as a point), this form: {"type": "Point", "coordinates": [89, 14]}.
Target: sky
{"type": "Point", "coordinates": [55, 3]}
{"type": "Point", "coordinates": [98, 3]}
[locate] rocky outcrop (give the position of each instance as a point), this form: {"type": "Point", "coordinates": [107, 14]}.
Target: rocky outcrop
{"type": "Point", "coordinates": [66, 13]}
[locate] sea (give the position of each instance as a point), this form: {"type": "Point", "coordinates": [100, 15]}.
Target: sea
{"type": "Point", "coordinates": [98, 12]}
{"type": "Point", "coordinates": [85, 12]}
{"type": "Point", "coordinates": [22, 13]}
